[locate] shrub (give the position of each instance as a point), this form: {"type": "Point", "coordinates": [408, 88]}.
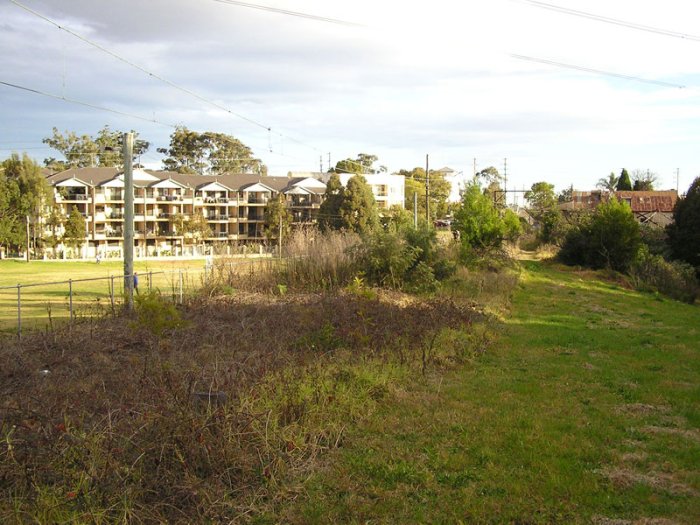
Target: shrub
{"type": "Point", "coordinates": [609, 238]}
{"type": "Point", "coordinates": [481, 224]}
{"type": "Point", "coordinates": [684, 232]}
{"type": "Point", "coordinates": [675, 279]}
{"type": "Point", "coordinates": [155, 314]}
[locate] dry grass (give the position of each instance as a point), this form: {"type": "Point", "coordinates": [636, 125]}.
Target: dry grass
{"type": "Point", "coordinates": [108, 420]}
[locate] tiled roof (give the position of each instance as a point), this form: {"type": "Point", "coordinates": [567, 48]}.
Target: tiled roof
{"type": "Point", "coordinates": [97, 176]}
{"type": "Point", "coordinates": [649, 201]}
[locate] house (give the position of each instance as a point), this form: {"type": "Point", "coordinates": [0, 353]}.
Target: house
{"type": "Point", "coordinates": [457, 182]}
{"type": "Point", "coordinates": [649, 207]}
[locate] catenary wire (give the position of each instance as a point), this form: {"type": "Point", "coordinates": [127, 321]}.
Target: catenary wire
{"type": "Point", "coordinates": [155, 75]}
{"type": "Point", "coordinates": [290, 13]}
{"type": "Point", "coordinates": [610, 20]}
{"type": "Point", "coordinates": [596, 71]}
{"type": "Point", "coordinates": [85, 104]}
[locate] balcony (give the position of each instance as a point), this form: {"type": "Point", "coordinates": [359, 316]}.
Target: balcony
{"type": "Point", "coordinates": [169, 198]}
{"type": "Point", "coordinates": [258, 200]}
{"type": "Point", "coordinates": [116, 215]}
{"type": "Point", "coordinates": [74, 197]}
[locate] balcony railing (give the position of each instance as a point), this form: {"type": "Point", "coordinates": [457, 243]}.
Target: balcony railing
{"type": "Point", "coordinates": [258, 200]}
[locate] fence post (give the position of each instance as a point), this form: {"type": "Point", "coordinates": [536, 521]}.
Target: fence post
{"type": "Point", "coordinates": [180, 286]}
{"type": "Point", "coordinates": [70, 298]}
{"type": "Point", "coordinates": [150, 280]}
{"type": "Point", "coordinates": [19, 311]}
{"type": "Point", "coordinates": [111, 292]}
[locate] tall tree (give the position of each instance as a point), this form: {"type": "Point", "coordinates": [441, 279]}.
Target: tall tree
{"type": "Point", "coordinates": [624, 183]}
{"type": "Point", "coordinates": [80, 151]}
{"type": "Point", "coordinates": [74, 228]}
{"type": "Point", "coordinates": [209, 153]}
{"type": "Point", "coordinates": [9, 212]}
{"type": "Point", "coordinates": [329, 212]}
{"type": "Point", "coordinates": [439, 192]}
{"type": "Point", "coordinates": [195, 227]}
{"type": "Point", "coordinates": [490, 175]}
{"type": "Point", "coordinates": [608, 183]}
{"type": "Point", "coordinates": [644, 180]}
{"type": "Point", "coordinates": [26, 196]}
{"type": "Point", "coordinates": [481, 224]}
{"type": "Point", "coordinates": [362, 165]}
{"type": "Point", "coordinates": [684, 232]}
{"type": "Point", "coordinates": [358, 210]}
{"type": "Point", "coordinates": [278, 219]}
{"type": "Point", "coordinates": [544, 208]}
{"type": "Point", "coordinates": [567, 194]}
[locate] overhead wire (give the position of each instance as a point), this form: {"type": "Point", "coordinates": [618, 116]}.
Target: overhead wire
{"type": "Point", "coordinates": [610, 20]}
{"type": "Point", "coordinates": [291, 13]}
{"type": "Point", "coordinates": [596, 71]}
{"type": "Point", "coordinates": [154, 75]}
{"type": "Point", "coordinates": [85, 104]}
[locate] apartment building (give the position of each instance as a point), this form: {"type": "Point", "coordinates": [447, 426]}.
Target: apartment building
{"type": "Point", "coordinates": [233, 206]}
{"type": "Point", "coordinates": [388, 189]}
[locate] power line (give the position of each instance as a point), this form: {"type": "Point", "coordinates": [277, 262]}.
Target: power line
{"type": "Point", "coordinates": [291, 13]}
{"type": "Point", "coordinates": [596, 71]}
{"type": "Point", "coordinates": [155, 75]}
{"type": "Point", "coordinates": [86, 104]}
{"type": "Point", "coordinates": [610, 20]}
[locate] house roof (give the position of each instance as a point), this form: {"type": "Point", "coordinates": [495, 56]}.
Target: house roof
{"type": "Point", "coordinates": [649, 201]}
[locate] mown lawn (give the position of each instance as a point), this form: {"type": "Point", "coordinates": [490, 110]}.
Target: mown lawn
{"type": "Point", "coordinates": [586, 410]}
{"type": "Point", "coordinates": [91, 289]}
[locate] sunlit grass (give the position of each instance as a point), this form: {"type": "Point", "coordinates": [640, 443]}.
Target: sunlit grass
{"type": "Point", "coordinates": [587, 408]}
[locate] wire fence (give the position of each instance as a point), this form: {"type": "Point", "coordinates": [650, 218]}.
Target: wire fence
{"type": "Point", "coordinates": [41, 305]}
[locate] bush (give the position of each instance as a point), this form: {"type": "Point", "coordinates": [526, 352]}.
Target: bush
{"type": "Point", "coordinates": [684, 232]}
{"type": "Point", "coordinates": [481, 224]}
{"type": "Point", "coordinates": [609, 238]}
{"type": "Point", "coordinates": [675, 279]}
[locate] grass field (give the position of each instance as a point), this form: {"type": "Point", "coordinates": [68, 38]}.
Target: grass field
{"type": "Point", "coordinates": [587, 410]}
{"type": "Point", "coordinates": [38, 301]}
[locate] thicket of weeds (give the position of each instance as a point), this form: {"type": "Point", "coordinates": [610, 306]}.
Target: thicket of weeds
{"type": "Point", "coordinates": [201, 413]}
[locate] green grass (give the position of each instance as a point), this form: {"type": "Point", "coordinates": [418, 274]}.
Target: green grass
{"type": "Point", "coordinates": [586, 410]}
{"type": "Point", "coordinates": [38, 301]}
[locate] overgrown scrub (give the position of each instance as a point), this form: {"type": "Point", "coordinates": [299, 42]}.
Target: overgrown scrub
{"type": "Point", "coordinates": [312, 261]}
{"type": "Point", "coordinates": [99, 424]}
{"type": "Point", "coordinates": [672, 278]}
{"type": "Point", "coordinates": [405, 258]}
{"type": "Point", "coordinates": [609, 238]}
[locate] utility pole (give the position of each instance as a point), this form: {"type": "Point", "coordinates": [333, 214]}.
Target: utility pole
{"type": "Point", "coordinates": [475, 167]}
{"type": "Point", "coordinates": [678, 175]}
{"type": "Point", "coordinates": [329, 161]}
{"type": "Point", "coordinates": [279, 240]}
{"type": "Point", "coordinates": [128, 152]}
{"type": "Point", "coordinates": [320, 165]}
{"type": "Point", "coordinates": [505, 181]}
{"type": "Point", "coordinates": [427, 190]}
{"type": "Point", "coordinates": [415, 209]}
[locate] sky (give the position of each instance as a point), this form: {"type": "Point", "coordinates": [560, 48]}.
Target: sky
{"type": "Point", "coordinates": [400, 80]}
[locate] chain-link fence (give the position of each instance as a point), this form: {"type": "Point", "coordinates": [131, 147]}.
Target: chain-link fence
{"type": "Point", "coordinates": [41, 305]}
